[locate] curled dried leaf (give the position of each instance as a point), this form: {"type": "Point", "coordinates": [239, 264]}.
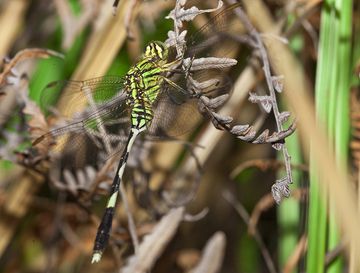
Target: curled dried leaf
{"type": "Point", "coordinates": [262, 137]}
{"type": "Point", "coordinates": [202, 85]}
{"type": "Point", "coordinates": [279, 136]}
{"type": "Point", "coordinates": [222, 119]}
{"type": "Point", "coordinates": [277, 146]}
{"type": "Point", "coordinates": [240, 129]}
{"type": "Point", "coordinates": [277, 82]}
{"type": "Point", "coordinates": [265, 101]}
{"type": "Point", "coordinates": [249, 136]}
{"type": "Point", "coordinates": [75, 183]}
{"type": "Point", "coordinates": [22, 55]}
{"type": "Point", "coordinates": [284, 117]}
{"type": "Point", "coordinates": [208, 63]}
{"type": "Point", "coordinates": [180, 14]}
{"type": "Point", "coordinates": [280, 189]}
{"type": "Point", "coordinates": [215, 102]}
{"type": "Point", "coordinates": [172, 39]}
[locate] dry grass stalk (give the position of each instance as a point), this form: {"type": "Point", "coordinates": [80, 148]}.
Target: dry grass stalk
{"type": "Point", "coordinates": [240, 209]}
{"type": "Point", "coordinates": [16, 205]}
{"type": "Point", "coordinates": [213, 254]}
{"type": "Point", "coordinates": [153, 244]}
{"type": "Point", "coordinates": [104, 43]}
{"type": "Point", "coordinates": [295, 257]}
{"type": "Point", "coordinates": [73, 25]}
{"type": "Point", "coordinates": [11, 20]}
{"type": "Point", "coordinates": [9, 65]}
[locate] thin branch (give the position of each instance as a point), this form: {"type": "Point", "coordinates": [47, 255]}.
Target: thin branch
{"type": "Point", "coordinates": [9, 65]}
{"type": "Point", "coordinates": [131, 223]}
{"type": "Point", "coordinates": [281, 187]}
{"type": "Point", "coordinates": [227, 195]}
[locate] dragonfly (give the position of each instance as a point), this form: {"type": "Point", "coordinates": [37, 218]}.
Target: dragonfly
{"type": "Point", "coordinates": [138, 93]}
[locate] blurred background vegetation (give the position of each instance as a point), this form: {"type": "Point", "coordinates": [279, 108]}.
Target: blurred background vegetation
{"type": "Point", "coordinates": [314, 45]}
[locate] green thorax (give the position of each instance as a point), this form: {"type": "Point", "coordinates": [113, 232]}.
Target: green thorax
{"type": "Point", "coordinates": [144, 79]}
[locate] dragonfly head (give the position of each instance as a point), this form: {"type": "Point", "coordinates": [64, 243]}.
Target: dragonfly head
{"type": "Point", "coordinates": [156, 50]}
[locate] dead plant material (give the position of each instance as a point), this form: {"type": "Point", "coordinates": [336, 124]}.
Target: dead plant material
{"type": "Point", "coordinates": [73, 25]}
{"type": "Point", "coordinates": [297, 254]}
{"type": "Point", "coordinates": [17, 203]}
{"type": "Point", "coordinates": [268, 103]}
{"type": "Point", "coordinates": [265, 165]}
{"type": "Point", "coordinates": [334, 253]}
{"type": "Point", "coordinates": [265, 203]}
{"type": "Point", "coordinates": [355, 123]}
{"type": "Point", "coordinates": [9, 73]}
{"type": "Point", "coordinates": [129, 15]}
{"type": "Point", "coordinates": [188, 258]}
{"type": "Point", "coordinates": [154, 244]}
{"type": "Point", "coordinates": [212, 255]}
{"type": "Point", "coordinates": [240, 209]}
{"type": "Point", "coordinates": [12, 17]}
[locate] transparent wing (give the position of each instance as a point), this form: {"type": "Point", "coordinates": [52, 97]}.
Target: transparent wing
{"type": "Point", "coordinates": [216, 32]}
{"type": "Point", "coordinates": [75, 94]}
{"type": "Point", "coordinates": [106, 110]}
{"type": "Point", "coordinates": [176, 110]}
{"type": "Point", "coordinates": [172, 119]}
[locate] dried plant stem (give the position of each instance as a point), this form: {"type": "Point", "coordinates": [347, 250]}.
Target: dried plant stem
{"type": "Point", "coordinates": [11, 20]}
{"type": "Point", "coordinates": [131, 222]}
{"type": "Point", "coordinates": [299, 251]}
{"type": "Point", "coordinates": [73, 25]}
{"type": "Point", "coordinates": [104, 43]}
{"type": "Point", "coordinates": [16, 205]}
{"type": "Point", "coordinates": [246, 218]}
{"type": "Point", "coordinates": [9, 66]}
{"type": "Point", "coordinates": [281, 188]}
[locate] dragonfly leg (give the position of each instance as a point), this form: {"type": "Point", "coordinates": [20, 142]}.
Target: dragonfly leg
{"type": "Point", "coordinates": [175, 86]}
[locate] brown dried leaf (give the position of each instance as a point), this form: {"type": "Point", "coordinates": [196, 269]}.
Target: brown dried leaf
{"type": "Point", "coordinates": [209, 63]}
{"type": "Point", "coordinates": [179, 14]}
{"type": "Point", "coordinates": [153, 244]}
{"type": "Point", "coordinates": [265, 101]}
{"type": "Point", "coordinates": [213, 254]}
{"type": "Point", "coordinates": [280, 189]}
{"type": "Point", "coordinates": [222, 119]}
{"type": "Point", "coordinates": [284, 117]}
{"type": "Point", "coordinates": [278, 83]}
{"type": "Point", "coordinates": [23, 55]}
{"type": "Point", "coordinates": [240, 129]}
{"type": "Point", "coordinates": [37, 122]}
{"type": "Point", "coordinates": [262, 137]}
{"type": "Point", "coordinates": [249, 136]}
{"type": "Point", "coordinates": [215, 102]}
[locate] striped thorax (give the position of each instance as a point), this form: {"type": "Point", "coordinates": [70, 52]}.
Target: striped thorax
{"type": "Point", "coordinates": [143, 83]}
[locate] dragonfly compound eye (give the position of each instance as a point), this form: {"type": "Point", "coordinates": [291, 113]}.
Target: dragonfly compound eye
{"type": "Point", "coordinates": [156, 50]}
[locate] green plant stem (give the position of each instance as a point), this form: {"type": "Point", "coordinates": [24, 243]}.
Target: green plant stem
{"type": "Point", "coordinates": [332, 105]}
{"type": "Point", "coordinates": [317, 206]}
